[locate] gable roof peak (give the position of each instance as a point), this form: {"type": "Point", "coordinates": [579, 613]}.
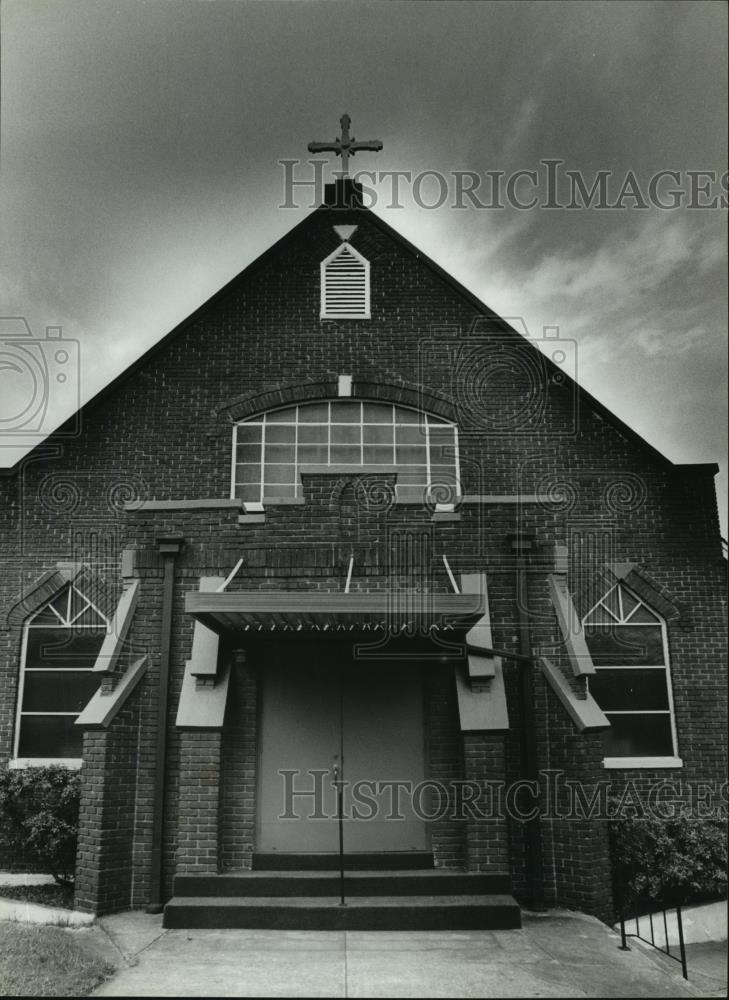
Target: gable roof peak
{"type": "Point", "coordinates": [343, 193]}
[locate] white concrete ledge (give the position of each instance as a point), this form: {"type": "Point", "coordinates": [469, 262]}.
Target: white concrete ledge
{"type": "Point", "coordinates": [571, 627]}
{"type": "Point", "coordinates": [203, 660]}
{"type": "Point", "coordinates": [584, 712]}
{"type": "Point", "coordinates": [202, 706]}
{"type": "Point", "coordinates": [508, 498]}
{"type": "Point", "coordinates": [34, 913]}
{"type": "Point", "coordinates": [702, 922]}
{"type": "Point", "coordinates": [215, 503]}
{"type": "Point", "coordinates": [24, 878]}
{"type": "Point", "coordinates": [647, 763]}
{"type": "Point", "coordinates": [480, 665]}
{"type": "Point", "coordinates": [113, 642]}
{"type": "Point", "coordinates": [482, 708]}
{"type": "Point", "coordinates": [103, 707]}
{"type": "Point", "coordinates": [21, 763]}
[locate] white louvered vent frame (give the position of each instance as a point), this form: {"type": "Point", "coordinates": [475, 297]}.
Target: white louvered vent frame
{"type": "Point", "coordinates": [345, 285]}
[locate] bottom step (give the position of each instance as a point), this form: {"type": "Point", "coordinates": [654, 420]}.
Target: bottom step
{"type": "Point", "coordinates": [362, 913]}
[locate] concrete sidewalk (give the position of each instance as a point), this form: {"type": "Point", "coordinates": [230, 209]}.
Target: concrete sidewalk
{"type": "Point", "coordinates": [559, 955]}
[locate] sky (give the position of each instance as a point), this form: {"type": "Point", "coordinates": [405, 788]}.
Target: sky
{"type": "Point", "coordinates": [140, 149]}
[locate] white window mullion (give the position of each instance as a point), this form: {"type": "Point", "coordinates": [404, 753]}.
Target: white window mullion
{"type": "Point", "coordinates": [394, 437]}
{"type": "Point", "coordinates": [234, 464]}
{"type": "Point", "coordinates": [669, 687]}
{"type": "Point", "coordinates": [296, 452]}
{"type": "Point", "coordinates": [21, 689]}
{"type": "Point", "coordinates": [263, 456]}
{"type": "Point", "coordinates": [427, 458]}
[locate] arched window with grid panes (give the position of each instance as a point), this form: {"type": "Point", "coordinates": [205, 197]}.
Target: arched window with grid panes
{"type": "Point", "coordinates": [60, 644]}
{"type": "Point", "coordinates": [628, 643]}
{"type": "Point", "coordinates": [270, 451]}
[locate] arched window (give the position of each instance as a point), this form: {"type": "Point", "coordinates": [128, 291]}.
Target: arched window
{"type": "Point", "coordinates": [632, 683]}
{"type": "Point", "coordinates": [345, 285]}
{"type": "Point", "coordinates": [60, 644]}
{"type": "Point", "coordinates": [270, 451]}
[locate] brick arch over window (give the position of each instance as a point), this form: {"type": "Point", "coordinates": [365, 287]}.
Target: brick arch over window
{"type": "Point", "coordinates": [643, 585]}
{"type": "Point", "coordinates": [50, 583]}
{"type": "Point", "coordinates": [405, 393]}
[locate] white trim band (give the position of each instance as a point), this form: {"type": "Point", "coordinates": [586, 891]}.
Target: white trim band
{"type": "Point", "coordinates": [648, 763]}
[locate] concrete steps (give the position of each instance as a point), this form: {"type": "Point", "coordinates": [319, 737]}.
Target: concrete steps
{"type": "Point", "coordinates": [370, 861]}
{"type": "Point", "coordinates": [324, 913]}
{"type": "Point", "coordinates": [367, 883]}
{"type": "Point", "coordinates": [374, 900]}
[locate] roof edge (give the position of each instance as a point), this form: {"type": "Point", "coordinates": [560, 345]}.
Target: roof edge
{"type": "Point", "coordinates": [435, 268]}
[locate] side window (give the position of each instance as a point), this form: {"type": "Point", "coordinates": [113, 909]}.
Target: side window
{"type": "Point", "coordinates": [631, 684]}
{"type": "Point", "coordinates": [60, 644]}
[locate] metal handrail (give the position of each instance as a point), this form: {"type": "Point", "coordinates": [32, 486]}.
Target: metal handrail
{"type": "Point", "coordinates": [650, 907]}
{"type": "Point", "coordinates": [653, 909]}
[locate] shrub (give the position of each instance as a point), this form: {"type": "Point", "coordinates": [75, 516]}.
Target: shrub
{"type": "Point", "coordinates": [39, 818]}
{"type": "Point", "coordinates": [670, 861]}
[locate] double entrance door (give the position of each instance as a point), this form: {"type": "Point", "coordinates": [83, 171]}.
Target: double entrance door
{"type": "Point", "coordinates": [326, 715]}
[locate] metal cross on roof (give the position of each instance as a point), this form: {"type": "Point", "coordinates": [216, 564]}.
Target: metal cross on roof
{"type": "Point", "coordinates": [345, 146]}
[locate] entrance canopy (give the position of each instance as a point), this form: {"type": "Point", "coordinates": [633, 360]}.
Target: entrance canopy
{"type": "Point", "coordinates": [282, 610]}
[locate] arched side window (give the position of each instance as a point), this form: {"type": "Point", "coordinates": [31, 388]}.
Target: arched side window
{"type": "Point", "coordinates": [60, 644]}
{"type": "Point", "coordinates": [345, 285]}
{"type": "Point", "coordinates": [632, 682]}
{"type": "Point", "coordinates": [269, 451]}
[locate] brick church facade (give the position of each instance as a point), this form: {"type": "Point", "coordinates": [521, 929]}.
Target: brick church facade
{"type": "Point", "coordinates": [346, 522]}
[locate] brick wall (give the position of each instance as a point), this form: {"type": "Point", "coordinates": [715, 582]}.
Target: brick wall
{"type": "Point", "coordinates": [104, 869]}
{"type": "Point", "coordinates": [445, 763]}
{"type": "Point", "coordinates": [164, 432]}
{"type": "Point", "coordinates": [238, 787]}
{"type": "Point", "coordinates": [198, 802]}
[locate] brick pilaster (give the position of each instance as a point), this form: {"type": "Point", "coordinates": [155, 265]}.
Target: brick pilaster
{"type": "Point", "coordinates": [486, 836]}
{"type": "Point", "coordinates": [199, 802]}
{"type": "Point", "coordinates": [104, 869]}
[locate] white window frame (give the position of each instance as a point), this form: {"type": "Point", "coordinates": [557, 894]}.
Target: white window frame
{"type": "Point", "coordinates": [324, 313]}
{"type": "Point", "coordinates": [72, 763]}
{"type": "Point", "coordinates": [422, 417]}
{"type": "Point", "coordinates": [658, 761]}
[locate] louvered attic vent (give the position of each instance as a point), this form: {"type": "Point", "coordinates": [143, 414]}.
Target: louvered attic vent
{"type": "Point", "coordinates": [345, 285]}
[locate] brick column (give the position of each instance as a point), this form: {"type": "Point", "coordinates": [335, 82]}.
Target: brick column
{"type": "Point", "coordinates": [199, 801]}
{"type": "Point", "coordinates": [239, 771]}
{"type": "Point", "coordinates": [445, 764]}
{"type": "Point", "coordinates": [106, 815]}
{"type": "Point", "coordinates": [486, 837]}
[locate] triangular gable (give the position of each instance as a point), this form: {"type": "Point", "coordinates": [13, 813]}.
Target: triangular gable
{"type": "Point", "coordinates": [467, 296]}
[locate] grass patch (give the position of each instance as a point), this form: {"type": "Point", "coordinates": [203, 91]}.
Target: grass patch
{"type": "Point", "coordinates": [46, 961]}
{"type": "Point", "coordinates": [46, 895]}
